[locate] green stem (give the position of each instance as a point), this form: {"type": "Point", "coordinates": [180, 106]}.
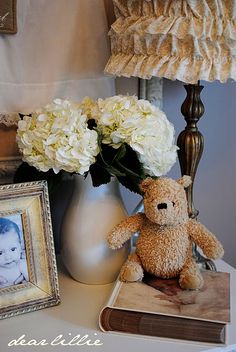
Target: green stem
{"type": "Point", "coordinates": [127, 170]}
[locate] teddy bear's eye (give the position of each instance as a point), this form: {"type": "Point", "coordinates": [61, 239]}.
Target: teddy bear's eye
{"type": "Point", "coordinates": [173, 204]}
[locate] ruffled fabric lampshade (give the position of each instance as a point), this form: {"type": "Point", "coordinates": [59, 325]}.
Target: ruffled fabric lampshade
{"type": "Point", "coordinates": [188, 40]}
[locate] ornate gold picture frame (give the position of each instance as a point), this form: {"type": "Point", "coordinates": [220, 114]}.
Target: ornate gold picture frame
{"type": "Point", "coordinates": [8, 23]}
{"type": "Point", "coordinates": [33, 284]}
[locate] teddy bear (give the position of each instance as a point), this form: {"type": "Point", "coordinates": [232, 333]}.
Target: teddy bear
{"type": "Point", "coordinates": [166, 234]}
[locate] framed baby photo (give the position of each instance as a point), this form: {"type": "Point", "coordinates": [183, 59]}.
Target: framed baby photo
{"type": "Point", "coordinates": [28, 272]}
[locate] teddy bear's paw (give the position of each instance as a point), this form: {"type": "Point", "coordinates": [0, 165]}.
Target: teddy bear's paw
{"type": "Point", "coordinates": [113, 242]}
{"type": "Point", "coordinates": [215, 252]}
{"type": "Point", "coordinates": [131, 272]}
{"type": "Point", "coordinates": [191, 282]}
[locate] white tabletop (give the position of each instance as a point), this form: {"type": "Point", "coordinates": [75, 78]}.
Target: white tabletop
{"type": "Point", "coordinates": [78, 315]}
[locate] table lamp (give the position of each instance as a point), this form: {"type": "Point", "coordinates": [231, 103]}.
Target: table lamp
{"type": "Point", "coordinates": [186, 40]}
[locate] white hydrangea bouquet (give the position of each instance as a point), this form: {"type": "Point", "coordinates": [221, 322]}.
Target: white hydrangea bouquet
{"type": "Point", "coordinates": [118, 136]}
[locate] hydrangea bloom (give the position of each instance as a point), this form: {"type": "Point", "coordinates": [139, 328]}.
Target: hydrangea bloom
{"type": "Point", "coordinates": [57, 137]}
{"type": "Point", "coordinates": [125, 119]}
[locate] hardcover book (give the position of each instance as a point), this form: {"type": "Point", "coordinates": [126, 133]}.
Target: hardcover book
{"type": "Point", "coordinates": [159, 307]}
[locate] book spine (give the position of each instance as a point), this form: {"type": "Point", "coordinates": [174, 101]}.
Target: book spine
{"type": "Point", "coordinates": [161, 326]}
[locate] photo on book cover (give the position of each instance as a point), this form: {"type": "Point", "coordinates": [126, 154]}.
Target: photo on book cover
{"type": "Point", "coordinates": [166, 296]}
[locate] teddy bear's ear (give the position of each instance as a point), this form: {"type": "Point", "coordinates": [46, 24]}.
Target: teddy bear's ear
{"type": "Point", "coordinates": [145, 184]}
{"type": "Point", "coordinates": [185, 181]}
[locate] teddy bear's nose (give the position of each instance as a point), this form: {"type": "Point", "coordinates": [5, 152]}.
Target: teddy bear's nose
{"type": "Point", "coordinates": [162, 206]}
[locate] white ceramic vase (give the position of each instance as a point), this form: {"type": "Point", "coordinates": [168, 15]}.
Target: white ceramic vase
{"type": "Point", "coordinates": [92, 213]}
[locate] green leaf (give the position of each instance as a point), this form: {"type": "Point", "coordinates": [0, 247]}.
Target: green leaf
{"type": "Point", "coordinates": [120, 153]}
{"type": "Point", "coordinates": [131, 183]}
{"type": "Point", "coordinates": [107, 154]}
{"type": "Point", "coordinates": [131, 163]}
{"type": "Point", "coordinates": [131, 166]}
{"type": "Point", "coordinates": [114, 171]}
{"type": "Point", "coordinates": [127, 171]}
{"type": "Point", "coordinates": [99, 175]}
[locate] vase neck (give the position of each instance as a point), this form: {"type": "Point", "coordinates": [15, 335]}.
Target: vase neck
{"type": "Point", "coordinates": [85, 185]}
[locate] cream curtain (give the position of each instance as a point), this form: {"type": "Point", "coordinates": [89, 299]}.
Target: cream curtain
{"type": "Point", "coordinates": [60, 50]}
{"type": "Point", "coordinates": [186, 40]}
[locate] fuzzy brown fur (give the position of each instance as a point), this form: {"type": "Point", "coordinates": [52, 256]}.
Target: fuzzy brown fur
{"type": "Point", "coordinates": [164, 246]}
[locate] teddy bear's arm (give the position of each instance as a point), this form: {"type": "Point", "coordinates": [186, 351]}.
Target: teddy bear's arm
{"type": "Point", "coordinates": [124, 230]}
{"type": "Point", "coordinates": [211, 247]}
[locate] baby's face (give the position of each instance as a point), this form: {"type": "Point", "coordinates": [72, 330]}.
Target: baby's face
{"type": "Point", "coordinates": [10, 249]}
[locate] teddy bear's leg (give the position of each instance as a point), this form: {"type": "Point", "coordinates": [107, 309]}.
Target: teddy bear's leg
{"type": "Point", "coordinates": [132, 269]}
{"type": "Point", "coordinates": [190, 276]}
